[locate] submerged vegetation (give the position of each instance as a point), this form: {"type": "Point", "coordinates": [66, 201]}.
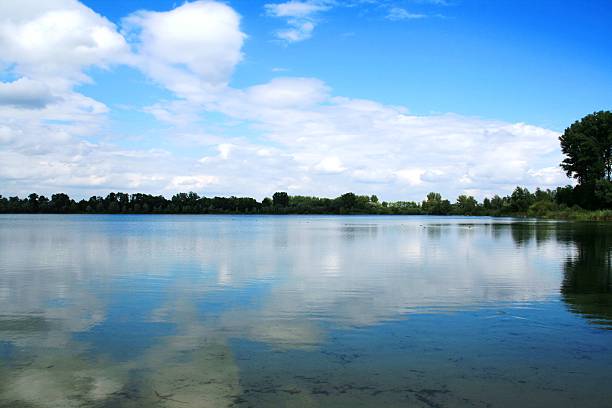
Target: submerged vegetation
{"type": "Point", "coordinates": [587, 145]}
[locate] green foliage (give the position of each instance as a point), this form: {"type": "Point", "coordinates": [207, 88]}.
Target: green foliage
{"type": "Point", "coordinates": [466, 205]}
{"type": "Point", "coordinates": [499, 204]}
{"type": "Point", "coordinates": [520, 200]}
{"type": "Point", "coordinates": [587, 143]}
{"type": "Point", "coordinates": [435, 205]}
{"type": "Point", "coordinates": [559, 203]}
{"type": "Point", "coordinates": [404, 207]}
{"type": "Point", "coordinates": [542, 208]}
{"type": "Point", "coordinates": [192, 203]}
{"type": "Point", "coordinates": [603, 193]}
{"type": "Point", "coordinates": [565, 196]}
{"type": "Point", "coordinates": [280, 199]}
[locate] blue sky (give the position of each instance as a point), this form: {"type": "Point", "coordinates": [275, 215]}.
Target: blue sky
{"type": "Point", "coordinates": [396, 98]}
{"type": "Point", "coordinates": [546, 62]}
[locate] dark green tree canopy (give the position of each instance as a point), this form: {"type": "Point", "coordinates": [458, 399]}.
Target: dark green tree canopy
{"type": "Point", "coordinates": [280, 199]}
{"type": "Point", "coordinates": [587, 145]}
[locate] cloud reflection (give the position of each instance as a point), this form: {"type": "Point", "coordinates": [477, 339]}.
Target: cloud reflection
{"type": "Point", "coordinates": [280, 281]}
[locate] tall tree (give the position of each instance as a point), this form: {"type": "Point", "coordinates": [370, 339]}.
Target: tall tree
{"type": "Point", "coordinates": [587, 145]}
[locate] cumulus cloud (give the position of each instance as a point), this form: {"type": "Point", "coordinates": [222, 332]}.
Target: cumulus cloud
{"type": "Point", "coordinates": [54, 40]}
{"type": "Point", "coordinates": [25, 93]}
{"type": "Point", "coordinates": [189, 49]}
{"type": "Point", "coordinates": [325, 144]}
{"type": "Point", "coordinates": [381, 143]}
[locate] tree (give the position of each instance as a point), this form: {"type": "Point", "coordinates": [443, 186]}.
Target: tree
{"type": "Point", "coordinates": [466, 205]}
{"type": "Point", "coordinates": [61, 202]}
{"type": "Point", "coordinates": [33, 202]}
{"type": "Point", "coordinates": [603, 193]}
{"type": "Point", "coordinates": [348, 201]}
{"type": "Point", "coordinates": [497, 203]}
{"type": "Point", "coordinates": [587, 143]}
{"type": "Point", "coordinates": [436, 205]}
{"type": "Point", "coordinates": [565, 196]}
{"type": "Point", "coordinates": [280, 199]}
{"type": "Point", "coordinates": [521, 199]}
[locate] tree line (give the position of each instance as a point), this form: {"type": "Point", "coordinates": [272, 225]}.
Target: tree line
{"type": "Point", "coordinates": [520, 202]}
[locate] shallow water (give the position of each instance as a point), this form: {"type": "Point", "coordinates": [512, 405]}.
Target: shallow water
{"type": "Point", "coordinates": [304, 311]}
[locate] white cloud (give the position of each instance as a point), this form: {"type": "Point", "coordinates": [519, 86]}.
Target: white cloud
{"type": "Point", "coordinates": [412, 177]}
{"type": "Point", "coordinates": [296, 9]}
{"type": "Point", "coordinates": [434, 2]}
{"type": "Point", "coordinates": [362, 141]}
{"type": "Point", "coordinates": [398, 13]}
{"type": "Point", "coordinates": [224, 150]}
{"type": "Point", "coordinates": [6, 135]}
{"type": "Point", "coordinates": [191, 49]}
{"type": "Point", "coordinates": [300, 30]}
{"type": "Point", "coordinates": [372, 176]}
{"type": "Point", "coordinates": [550, 176]}
{"type": "Point", "coordinates": [54, 40]}
{"type": "Point", "coordinates": [300, 18]}
{"type": "Point", "coordinates": [191, 183]}
{"type": "Point", "coordinates": [366, 146]}
{"type": "Point", "coordinates": [330, 165]}
{"type": "Point", "coordinates": [288, 92]}
{"type": "Point", "coordinates": [25, 93]}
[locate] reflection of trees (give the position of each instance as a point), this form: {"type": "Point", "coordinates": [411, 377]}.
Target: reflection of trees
{"type": "Point", "coordinates": [587, 284]}
{"type": "Point", "coordinates": [524, 232]}
{"type": "Point", "coordinates": [434, 232]}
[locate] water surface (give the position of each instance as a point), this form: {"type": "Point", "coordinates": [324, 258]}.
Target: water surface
{"type": "Point", "coordinates": [303, 311]}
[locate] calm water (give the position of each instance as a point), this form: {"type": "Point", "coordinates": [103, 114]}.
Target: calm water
{"type": "Point", "coordinates": [215, 311]}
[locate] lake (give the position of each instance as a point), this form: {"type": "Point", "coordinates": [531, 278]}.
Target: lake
{"type": "Point", "coordinates": [303, 311]}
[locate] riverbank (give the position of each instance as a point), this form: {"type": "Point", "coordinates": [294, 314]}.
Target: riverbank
{"type": "Point", "coordinates": [579, 215]}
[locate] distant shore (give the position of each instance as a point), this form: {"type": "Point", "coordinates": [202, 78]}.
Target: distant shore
{"type": "Point", "coordinates": [580, 216]}
{"type": "Point", "coordinates": [521, 203]}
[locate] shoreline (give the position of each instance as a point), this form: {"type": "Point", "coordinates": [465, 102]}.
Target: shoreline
{"type": "Point", "coordinates": [577, 216]}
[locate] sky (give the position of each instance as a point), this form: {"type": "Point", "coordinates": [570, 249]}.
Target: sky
{"type": "Point", "coordinates": [314, 97]}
